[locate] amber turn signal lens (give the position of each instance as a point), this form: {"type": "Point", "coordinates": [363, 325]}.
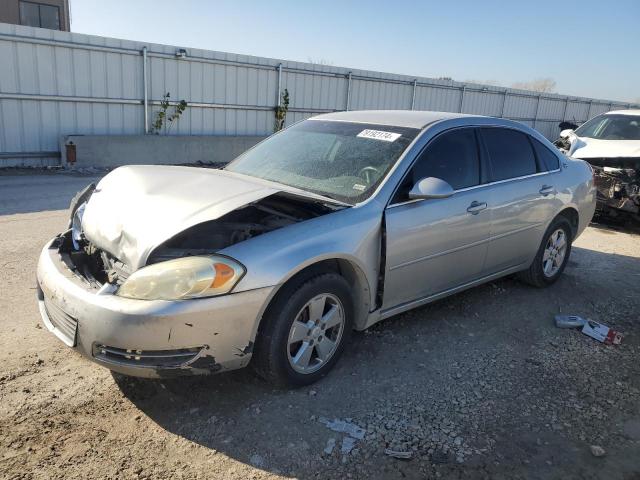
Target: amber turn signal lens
{"type": "Point", "coordinates": [224, 273]}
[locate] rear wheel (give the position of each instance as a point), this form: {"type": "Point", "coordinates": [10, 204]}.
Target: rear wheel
{"type": "Point", "coordinates": [552, 256]}
{"type": "Point", "coordinates": [304, 330]}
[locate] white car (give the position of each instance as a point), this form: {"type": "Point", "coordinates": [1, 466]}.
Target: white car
{"type": "Point", "coordinates": [611, 144]}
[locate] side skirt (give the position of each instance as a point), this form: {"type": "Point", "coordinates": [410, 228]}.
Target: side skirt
{"type": "Point", "coordinates": [379, 315]}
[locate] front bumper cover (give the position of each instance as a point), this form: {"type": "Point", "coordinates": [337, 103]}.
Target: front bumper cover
{"type": "Point", "coordinates": [148, 338]}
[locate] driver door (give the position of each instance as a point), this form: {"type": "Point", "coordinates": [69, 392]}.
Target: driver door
{"type": "Point", "coordinates": [434, 245]}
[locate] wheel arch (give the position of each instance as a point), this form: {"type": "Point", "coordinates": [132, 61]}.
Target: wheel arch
{"type": "Point", "coordinates": [572, 215]}
{"type": "Point", "coordinates": [347, 268]}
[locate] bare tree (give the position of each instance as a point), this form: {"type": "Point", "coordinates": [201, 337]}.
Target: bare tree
{"type": "Point", "coordinates": [543, 85]}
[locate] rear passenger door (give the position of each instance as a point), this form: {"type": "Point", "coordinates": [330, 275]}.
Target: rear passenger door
{"type": "Point", "coordinates": [522, 197]}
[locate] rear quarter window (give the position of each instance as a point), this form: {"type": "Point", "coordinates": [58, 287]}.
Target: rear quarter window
{"type": "Point", "coordinates": [548, 160]}
{"type": "Point", "coordinates": [510, 153]}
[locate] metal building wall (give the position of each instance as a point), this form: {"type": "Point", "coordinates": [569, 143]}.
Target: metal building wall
{"type": "Point", "coordinates": [58, 83]}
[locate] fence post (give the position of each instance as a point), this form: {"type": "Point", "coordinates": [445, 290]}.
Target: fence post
{"type": "Point", "coordinates": [348, 91]}
{"type": "Point", "coordinates": [589, 110]}
{"type": "Point", "coordinates": [145, 90]}
{"type": "Point", "coordinates": [413, 95]}
{"type": "Point", "coordinates": [566, 106]}
{"type": "Point", "coordinates": [278, 95]}
{"type": "Point", "coordinates": [464, 88]}
{"type": "Point", "coordinates": [535, 119]}
{"type": "Point", "coordinates": [504, 100]}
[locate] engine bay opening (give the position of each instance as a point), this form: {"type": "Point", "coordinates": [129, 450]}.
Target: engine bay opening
{"type": "Point", "coordinates": [98, 267]}
{"type": "Point", "coordinates": [618, 189]}
{"type": "Point", "coordinates": [270, 213]}
{"type": "Point", "coordinates": [95, 266]}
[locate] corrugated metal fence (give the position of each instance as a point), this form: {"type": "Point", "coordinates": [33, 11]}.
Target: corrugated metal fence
{"type": "Point", "coordinates": [58, 83]}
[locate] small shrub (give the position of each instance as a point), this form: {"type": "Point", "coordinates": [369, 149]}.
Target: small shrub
{"type": "Point", "coordinates": [163, 120]}
{"type": "Point", "coordinates": [281, 110]}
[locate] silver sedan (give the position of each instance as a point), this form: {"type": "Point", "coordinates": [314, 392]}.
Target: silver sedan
{"type": "Point", "coordinates": [331, 225]}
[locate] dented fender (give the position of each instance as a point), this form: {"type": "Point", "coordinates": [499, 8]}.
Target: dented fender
{"type": "Point", "coordinates": [353, 235]}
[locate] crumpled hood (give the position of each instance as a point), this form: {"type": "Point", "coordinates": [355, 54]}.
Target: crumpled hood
{"type": "Point", "coordinates": [585, 148]}
{"type": "Point", "coordinates": [136, 208]}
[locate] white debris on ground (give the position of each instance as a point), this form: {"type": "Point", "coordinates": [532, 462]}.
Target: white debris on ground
{"type": "Point", "coordinates": [397, 454]}
{"type": "Point", "coordinates": [331, 444]}
{"type": "Point", "coordinates": [353, 434]}
{"type": "Point", "coordinates": [343, 426]}
{"type": "Point", "coordinates": [347, 445]}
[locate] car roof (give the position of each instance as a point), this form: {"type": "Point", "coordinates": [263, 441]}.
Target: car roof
{"type": "Point", "coordinates": [395, 118]}
{"type": "Point", "coordinates": [624, 112]}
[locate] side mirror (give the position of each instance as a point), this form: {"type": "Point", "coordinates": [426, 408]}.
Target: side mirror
{"type": "Point", "coordinates": [431, 187]}
{"type": "Point", "coordinates": [567, 133]}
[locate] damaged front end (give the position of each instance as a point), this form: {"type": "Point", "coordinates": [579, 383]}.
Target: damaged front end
{"type": "Point", "coordinates": [617, 179]}
{"type": "Point", "coordinates": [102, 270]}
{"type": "Point", "coordinates": [138, 282]}
{"type": "Point", "coordinates": [268, 214]}
{"type": "Point", "coordinates": [618, 184]}
{"type": "Point", "coordinates": [96, 267]}
{"type": "Point", "coordinates": [170, 213]}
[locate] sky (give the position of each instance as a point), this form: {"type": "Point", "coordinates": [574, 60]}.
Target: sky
{"type": "Point", "coordinates": [590, 48]}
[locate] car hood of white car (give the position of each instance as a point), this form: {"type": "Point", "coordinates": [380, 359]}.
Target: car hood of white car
{"type": "Point", "coordinates": [136, 208]}
{"type": "Point", "coordinates": [585, 148]}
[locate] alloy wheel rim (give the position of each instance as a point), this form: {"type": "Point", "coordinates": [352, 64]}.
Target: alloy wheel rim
{"type": "Point", "coordinates": [554, 253]}
{"type": "Point", "coordinates": [315, 333]}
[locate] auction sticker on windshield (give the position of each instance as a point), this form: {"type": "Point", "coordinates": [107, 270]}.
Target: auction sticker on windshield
{"type": "Point", "coordinates": [379, 135]}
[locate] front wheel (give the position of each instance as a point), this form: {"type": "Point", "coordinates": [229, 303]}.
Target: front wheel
{"type": "Point", "coordinates": [305, 330]}
{"type": "Point", "coordinates": [552, 256]}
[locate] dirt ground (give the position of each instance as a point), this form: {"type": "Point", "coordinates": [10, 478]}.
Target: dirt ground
{"type": "Point", "coordinates": [479, 385]}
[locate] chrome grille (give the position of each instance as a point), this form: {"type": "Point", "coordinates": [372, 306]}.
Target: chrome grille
{"type": "Point", "coordinates": [146, 358]}
{"type": "Point", "coordinates": [65, 326]}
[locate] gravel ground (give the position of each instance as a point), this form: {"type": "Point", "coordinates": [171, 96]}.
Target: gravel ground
{"type": "Point", "coordinates": [479, 385]}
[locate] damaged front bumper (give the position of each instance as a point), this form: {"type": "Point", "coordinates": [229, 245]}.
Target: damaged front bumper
{"type": "Point", "coordinates": [147, 338]}
{"type": "Point", "coordinates": [618, 183]}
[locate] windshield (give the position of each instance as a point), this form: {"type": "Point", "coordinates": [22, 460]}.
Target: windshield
{"type": "Point", "coordinates": [342, 160]}
{"type": "Point", "coordinates": [611, 127]}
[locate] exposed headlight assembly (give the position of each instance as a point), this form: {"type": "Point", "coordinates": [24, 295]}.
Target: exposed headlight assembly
{"type": "Point", "coordinates": [183, 278]}
{"type": "Point", "coordinates": [77, 211]}
{"type": "Point", "coordinates": [76, 226]}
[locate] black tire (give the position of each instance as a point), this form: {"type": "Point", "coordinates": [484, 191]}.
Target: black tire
{"type": "Point", "coordinates": [270, 359]}
{"type": "Point", "coordinates": [535, 275]}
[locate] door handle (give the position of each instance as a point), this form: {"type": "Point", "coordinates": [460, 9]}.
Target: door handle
{"type": "Point", "coordinates": [546, 190]}
{"type": "Point", "coordinates": [476, 207]}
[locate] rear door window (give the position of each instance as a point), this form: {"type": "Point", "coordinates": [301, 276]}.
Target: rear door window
{"type": "Point", "coordinates": [546, 157]}
{"type": "Point", "coordinates": [510, 153]}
